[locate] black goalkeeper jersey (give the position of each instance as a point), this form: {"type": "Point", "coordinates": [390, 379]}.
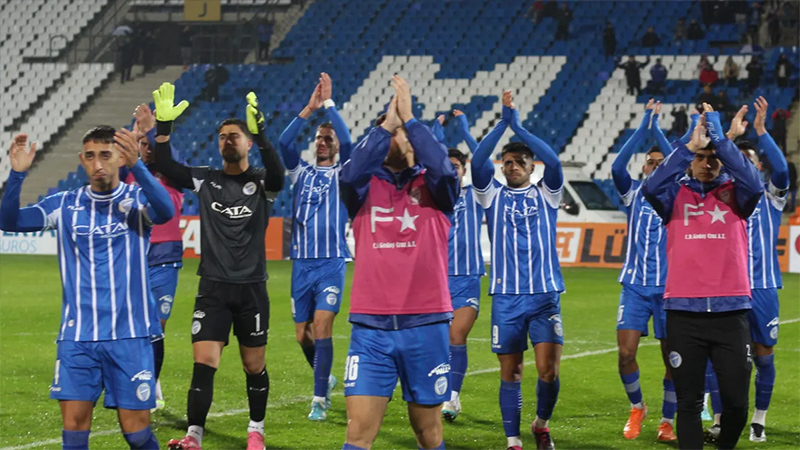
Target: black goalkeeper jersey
{"type": "Point", "coordinates": [234, 213]}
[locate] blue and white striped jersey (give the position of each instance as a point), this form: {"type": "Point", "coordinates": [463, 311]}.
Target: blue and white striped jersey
{"type": "Point", "coordinates": [464, 243]}
{"type": "Point", "coordinates": [522, 228]}
{"type": "Point", "coordinates": [762, 234]}
{"type": "Point", "coordinates": [102, 250]}
{"type": "Point", "coordinates": [318, 226]}
{"type": "Point", "coordinates": [646, 257]}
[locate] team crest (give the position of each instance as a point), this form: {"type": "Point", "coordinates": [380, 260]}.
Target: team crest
{"type": "Point", "coordinates": [125, 205]}
{"type": "Point", "coordinates": [532, 193]}
{"type": "Point", "coordinates": [143, 392]}
{"type": "Point", "coordinates": [441, 385]}
{"type": "Point", "coordinates": [726, 197]}
{"type": "Point", "coordinates": [331, 299]}
{"type": "Point", "coordinates": [675, 359]}
{"type": "Point", "coordinates": [249, 188]}
{"type": "Point", "coordinates": [773, 333]}
{"type": "Point", "coordinates": [196, 326]}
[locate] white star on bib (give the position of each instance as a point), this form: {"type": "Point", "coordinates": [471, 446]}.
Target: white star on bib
{"type": "Point", "coordinates": [717, 214]}
{"type": "Point", "coordinates": [407, 220]}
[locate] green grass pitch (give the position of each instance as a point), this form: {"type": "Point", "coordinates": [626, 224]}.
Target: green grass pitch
{"type": "Point", "coordinates": [591, 410]}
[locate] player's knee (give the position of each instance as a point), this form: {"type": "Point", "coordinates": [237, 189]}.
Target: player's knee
{"type": "Point", "coordinates": [626, 357]}
{"type": "Point", "coordinates": [549, 374]}
{"type": "Point", "coordinates": [428, 437]}
{"type": "Point", "coordinates": [323, 329]}
{"type": "Point", "coordinates": [360, 433]}
{"type": "Point", "coordinates": [458, 336]}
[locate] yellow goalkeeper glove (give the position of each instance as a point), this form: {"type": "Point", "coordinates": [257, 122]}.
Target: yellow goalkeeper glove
{"type": "Point", "coordinates": [166, 110]}
{"type": "Point", "coordinates": [255, 118]}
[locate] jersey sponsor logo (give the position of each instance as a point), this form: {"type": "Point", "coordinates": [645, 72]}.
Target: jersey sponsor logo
{"type": "Point", "coordinates": [109, 231]}
{"type": "Point", "coordinates": [249, 188]}
{"type": "Point", "coordinates": [440, 386]}
{"type": "Point", "coordinates": [473, 302]}
{"type": "Point", "coordinates": [717, 215]}
{"type": "Point", "coordinates": [675, 359]}
{"type": "Point", "coordinates": [515, 210]}
{"type": "Point", "coordinates": [332, 289]}
{"type": "Point", "coordinates": [311, 185]}
{"type": "Point", "coordinates": [406, 220]}
{"type": "Point", "coordinates": [144, 375]}
{"type": "Point", "coordinates": [143, 392]}
{"type": "Point", "coordinates": [441, 369]}
{"type": "Point", "coordinates": [76, 208]}
{"type": "Point", "coordinates": [233, 212]}
{"type": "Point", "coordinates": [199, 314]}
{"type": "Point", "coordinates": [196, 327]}
{"type": "Point", "coordinates": [125, 205]}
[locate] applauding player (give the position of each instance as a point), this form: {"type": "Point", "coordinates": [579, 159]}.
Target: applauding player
{"type": "Point", "coordinates": [643, 276]}
{"type": "Point", "coordinates": [526, 278]}
{"type": "Point", "coordinates": [107, 320]}
{"type": "Point", "coordinates": [318, 248]}
{"type": "Point", "coordinates": [235, 203]}
{"type": "Point", "coordinates": [402, 213]}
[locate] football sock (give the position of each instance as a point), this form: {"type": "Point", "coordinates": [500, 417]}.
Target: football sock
{"type": "Point", "coordinates": [670, 404]}
{"type": "Point", "coordinates": [201, 392]}
{"type": "Point", "coordinates": [195, 432]}
{"type": "Point", "coordinates": [347, 446]}
{"type": "Point", "coordinates": [546, 398]}
{"type": "Point", "coordinates": [257, 394]}
{"type": "Point", "coordinates": [438, 447]}
{"type": "Point", "coordinates": [308, 351]}
{"type": "Point", "coordinates": [142, 440]}
{"type": "Point", "coordinates": [765, 380]}
{"type": "Point", "coordinates": [458, 366]}
{"type": "Point", "coordinates": [258, 427]}
{"type": "Point", "coordinates": [632, 388]}
{"type": "Point", "coordinates": [323, 360]}
{"type": "Point", "coordinates": [158, 356]}
{"type": "Point", "coordinates": [510, 406]}
{"type": "Point", "coordinates": [713, 390]}
{"type": "Point", "coordinates": [75, 440]}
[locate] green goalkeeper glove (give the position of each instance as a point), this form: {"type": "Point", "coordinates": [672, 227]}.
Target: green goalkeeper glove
{"type": "Point", "coordinates": [255, 118]}
{"type": "Point", "coordinates": [166, 110]}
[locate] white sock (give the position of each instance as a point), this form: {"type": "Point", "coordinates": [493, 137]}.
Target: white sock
{"type": "Point", "coordinates": [639, 405]}
{"type": "Point", "coordinates": [256, 426]}
{"type": "Point", "coordinates": [759, 417]}
{"type": "Point", "coordinates": [453, 396]}
{"type": "Point", "coordinates": [320, 400]}
{"type": "Point", "coordinates": [514, 441]}
{"type": "Point", "coordinates": [665, 420]}
{"type": "Point", "coordinates": [196, 432]}
{"type": "Point", "coordinates": [717, 419]}
{"type": "Point", "coordinates": [540, 423]}
{"type": "Point", "coordinates": [330, 378]}
{"type": "Point", "coordinates": [159, 394]}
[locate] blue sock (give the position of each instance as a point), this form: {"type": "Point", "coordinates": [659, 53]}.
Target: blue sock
{"type": "Point", "coordinates": [632, 388]}
{"type": "Point", "coordinates": [458, 366]}
{"type": "Point", "coordinates": [440, 447]}
{"type": "Point", "coordinates": [75, 440]}
{"type": "Point", "coordinates": [670, 404]}
{"type": "Point", "coordinates": [323, 359]}
{"type": "Point", "coordinates": [142, 440]}
{"type": "Point", "coordinates": [347, 446]}
{"type": "Point", "coordinates": [546, 398]}
{"type": "Point", "coordinates": [158, 356]}
{"type": "Point", "coordinates": [309, 353]}
{"type": "Point", "coordinates": [713, 389]}
{"type": "Point", "coordinates": [765, 380]}
{"type": "Point", "coordinates": [510, 406]}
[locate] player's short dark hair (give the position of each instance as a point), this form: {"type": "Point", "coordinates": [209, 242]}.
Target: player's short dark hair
{"type": "Point", "coordinates": [516, 147]}
{"type": "Point", "coordinates": [101, 133]}
{"type": "Point", "coordinates": [327, 125]}
{"type": "Point", "coordinates": [457, 154]}
{"type": "Point", "coordinates": [745, 145]}
{"type": "Point", "coordinates": [654, 149]}
{"type": "Point", "coordinates": [239, 123]}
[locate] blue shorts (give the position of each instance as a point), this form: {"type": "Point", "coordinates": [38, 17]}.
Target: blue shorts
{"type": "Point", "coordinates": [764, 317]}
{"type": "Point", "coordinates": [316, 284]}
{"type": "Point", "coordinates": [637, 304]}
{"type": "Point", "coordinates": [515, 317]}
{"type": "Point", "coordinates": [419, 356]}
{"type": "Point", "coordinates": [465, 291]}
{"type": "Point", "coordinates": [163, 283]}
{"type": "Point", "coordinates": [123, 368]}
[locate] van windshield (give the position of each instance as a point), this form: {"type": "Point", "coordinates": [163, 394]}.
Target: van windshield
{"type": "Point", "coordinates": [592, 196]}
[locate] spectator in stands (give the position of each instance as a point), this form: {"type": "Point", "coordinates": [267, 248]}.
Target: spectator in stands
{"type": "Point", "coordinates": [186, 46]}
{"type": "Point", "coordinates": [680, 31]}
{"type": "Point", "coordinates": [609, 40]}
{"type": "Point", "coordinates": [536, 11]}
{"type": "Point", "coordinates": [149, 47]}
{"type": "Point", "coordinates": [792, 186]}
{"type": "Point", "coordinates": [550, 9]}
{"type": "Point", "coordinates": [754, 16]}
{"type": "Point", "coordinates": [127, 58]}
{"type": "Point", "coordinates": [723, 105]}
{"type": "Point", "coordinates": [783, 70]}
{"type": "Point", "coordinates": [215, 76]}
{"type": "Point", "coordinates": [708, 76]}
{"type": "Point", "coordinates": [680, 122]}
{"type": "Point", "coordinates": [264, 34]}
{"type": "Point", "coordinates": [632, 76]}
{"type": "Point", "coordinates": [730, 72]}
{"type": "Point", "coordinates": [707, 96]}
{"type": "Point", "coordinates": [703, 64]}
{"type": "Point", "coordinates": [778, 131]}
{"type": "Point", "coordinates": [749, 48]}
{"type": "Point", "coordinates": [754, 72]}
{"type": "Point", "coordinates": [658, 73]}
{"type": "Point", "coordinates": [695, 32]}
{"type": "Point", "coordinates": [563, 20]}
{"type": "Point", "coordinates": [650, 38]}
{"type": "Point", "coordinates": [773, 28]}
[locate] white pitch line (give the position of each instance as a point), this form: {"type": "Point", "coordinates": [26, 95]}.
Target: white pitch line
{"type": "Point", "coordinates": [232, 412]}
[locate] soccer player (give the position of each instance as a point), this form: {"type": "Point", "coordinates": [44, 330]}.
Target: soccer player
{"type": "Point", "coordinates": [235, 203]}
{"type": "Point", "coordinates": [763, 268]}
{"type": "Point", "coordinates": [400, 305]}
{"type": "Point", "coordinates": [526, 278]}
{"type": "Point", "coordinates": [103, 236]}
{"type": "Point", "coordinates": [465, 267]}
{"type": "Point", "coordinates": [643, 276]}
{"type": "Point", "coordinates": [165, 256]}
{"type": "Point", "coordinates": [707, 293]}
{"type": "Point", "coordinates": [318, 248]}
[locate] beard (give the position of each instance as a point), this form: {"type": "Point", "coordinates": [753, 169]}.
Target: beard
{"type": "Point", "coordinates": [232, 157]}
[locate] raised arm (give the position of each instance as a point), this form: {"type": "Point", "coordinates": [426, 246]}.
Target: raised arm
{"type": "Point", "coordinates": [482, 167]}
{"type": "Point", "coordinates": [683, 140]}
{"type": "Point", "coordinates": [274, 178]}
{"type": "Point", "coordinates": [366, 161]}
{"type": "Point", "coordinates": [658, 133]}
{"type": "Point", "coordinates": [166, 113]}
{"type": "Point", "coordinates": [780, 169]}
{"type": "Point", "coordinates": [12, 218]}
{"type": "Point", "coordinates": [341, 129]}
{"type": "Point", "coordinates": [437, 129]}
{"type": "Point", "coordinates": [159, 203]}
{"type": "Point", "coordinates": [619, 168]}
{"type": "Point", "coordinates": [553, 175]}
{"type": "Point", "coordinates": [463, 128]}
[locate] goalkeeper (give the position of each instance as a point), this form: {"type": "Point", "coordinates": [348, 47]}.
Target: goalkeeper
{"type": "Point", "coordinates": [235, 203]}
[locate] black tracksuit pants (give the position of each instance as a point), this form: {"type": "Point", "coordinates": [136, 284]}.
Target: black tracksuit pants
{"type": "Point", "coordinates": [692, 339]}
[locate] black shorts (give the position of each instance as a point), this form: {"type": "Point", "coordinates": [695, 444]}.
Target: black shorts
{"type": "Point", "coordinates": [218, 305]}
